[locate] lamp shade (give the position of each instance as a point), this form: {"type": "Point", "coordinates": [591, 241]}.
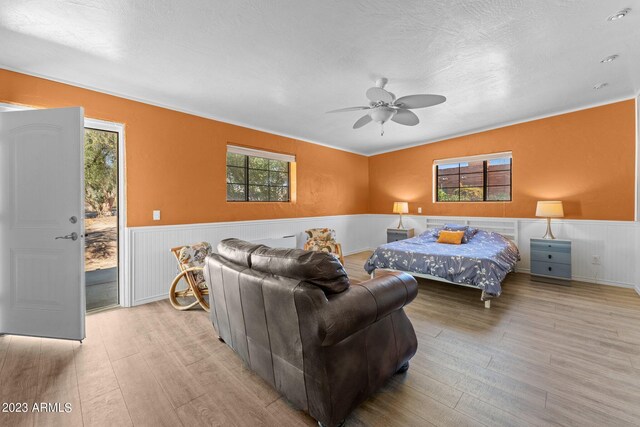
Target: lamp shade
{"type": "Point", "coordinates": [550, 209]}
{"type": "Point", "coordinates": [401, 207]}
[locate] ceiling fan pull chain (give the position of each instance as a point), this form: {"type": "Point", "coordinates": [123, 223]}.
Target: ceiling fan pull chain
{"type": "Point", "coordinates": [381, 129]}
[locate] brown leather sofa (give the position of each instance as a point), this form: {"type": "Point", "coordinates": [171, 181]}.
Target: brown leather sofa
{"type": "Point", "coordinates": [295, 320]}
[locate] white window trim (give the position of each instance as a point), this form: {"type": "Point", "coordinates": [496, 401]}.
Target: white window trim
{"type": "Point", "coordinates": [250, 152]}
{"type": "Point", "coordinates": [125, 289]}
{"type": "Point", "coordinates": [260, 153]}
{"type": "Point", "coordinates": [467, 159]}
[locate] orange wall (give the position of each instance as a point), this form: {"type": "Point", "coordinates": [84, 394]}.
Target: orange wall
{"type": "Point", "coordinates": [586, 159]}
{"type": "Point", "coordinates": [175, 162]}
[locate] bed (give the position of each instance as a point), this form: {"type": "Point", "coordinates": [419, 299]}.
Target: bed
{"type": "Point", "coordinates": [482, 263]}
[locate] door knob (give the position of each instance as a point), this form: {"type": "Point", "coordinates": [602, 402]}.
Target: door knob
{"type": "Point", "coordinates": [72, 236]}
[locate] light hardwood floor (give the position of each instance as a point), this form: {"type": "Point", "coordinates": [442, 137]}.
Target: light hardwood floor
{"type": "Point", "coordinates": [542, 355]}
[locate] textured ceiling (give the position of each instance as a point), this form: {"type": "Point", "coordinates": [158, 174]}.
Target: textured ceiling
{"type": "Point", "coordinates": [279, 65]}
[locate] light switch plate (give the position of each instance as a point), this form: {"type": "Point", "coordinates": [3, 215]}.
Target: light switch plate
{"type": "Point", "coordinates": [156, 215]}
{"type": "Point", "coordinates": [419, 210]}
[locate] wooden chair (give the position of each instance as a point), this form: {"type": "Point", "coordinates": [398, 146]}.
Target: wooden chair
{"type": "Point", "coordinates": [190, 262]}
{"type": "Point", "coordinates": [324, 240]}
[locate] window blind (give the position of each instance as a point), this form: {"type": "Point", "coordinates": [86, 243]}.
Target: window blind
{"type": "Point", "coordinates": [259, 153]}
{"type": "Point", "coordinates": [469, 159]}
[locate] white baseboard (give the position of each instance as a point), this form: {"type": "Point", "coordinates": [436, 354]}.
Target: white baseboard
{"type": "Point", "coordinates": [526, 271]}
{"type": "Point", "coordinates": [357, 251]}
{"type": "Point", "coordinates": [590, 280]}
{"type": "Point", "coordinates": [154, 298]}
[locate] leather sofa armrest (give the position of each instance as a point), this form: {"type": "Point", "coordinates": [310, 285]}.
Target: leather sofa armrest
{"type": "Point", "coordinates": [364, 304]}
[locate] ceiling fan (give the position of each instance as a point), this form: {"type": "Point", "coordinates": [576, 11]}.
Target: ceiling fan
{"type": "Point", "coordinates": [384, 106]}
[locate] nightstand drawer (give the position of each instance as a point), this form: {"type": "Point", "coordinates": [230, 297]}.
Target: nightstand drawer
{"type": "Point", "coordinates": [551, 256]}
{"type": "Point", "coordinates": [551, 246]}
{"type": "Point", "coordinates": [551, 269]}
{"type": "Point", "coordinates": [395, 234]}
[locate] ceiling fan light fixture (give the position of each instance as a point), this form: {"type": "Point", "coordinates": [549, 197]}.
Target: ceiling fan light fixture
{"type": "Point", "coordinates": [608, 59]}
{"type": "Point", "coordinates": [619, 14]}
{"type": "Point", "coordinates": [382, 114]}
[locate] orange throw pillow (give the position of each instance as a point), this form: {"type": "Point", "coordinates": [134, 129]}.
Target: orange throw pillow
{"type": "Point", "coordinates": [450, 237]}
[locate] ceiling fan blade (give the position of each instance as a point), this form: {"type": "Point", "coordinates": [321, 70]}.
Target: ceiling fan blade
{"type": "Point", "coordinates": [362, 121]}
{"type": "Point", "coordinates": [419, 101]}
{"type": "Point", "coordinates": [341, 110]}
{"type": "Point", "coordinates": [376, 94]}
{"type": "Point", "coordinates": [406, 117]}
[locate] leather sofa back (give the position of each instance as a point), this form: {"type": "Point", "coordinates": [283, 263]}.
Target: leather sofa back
{"type": "Point", "coordinates": [295, 319]}
{"type": "Point", "coordinates": [317, 268]}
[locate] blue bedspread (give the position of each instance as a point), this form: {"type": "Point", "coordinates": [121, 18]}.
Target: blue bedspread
{"type": "Point", "coordinates": [483, 262]}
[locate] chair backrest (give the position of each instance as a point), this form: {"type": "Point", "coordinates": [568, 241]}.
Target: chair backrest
{"type": "Point", "coordinates": [326, 234]}
{"type": "Point", "coordinates": [192, 255]}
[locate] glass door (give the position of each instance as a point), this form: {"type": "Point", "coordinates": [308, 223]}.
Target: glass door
{"type": "Point", "coordinates": [101, 218]}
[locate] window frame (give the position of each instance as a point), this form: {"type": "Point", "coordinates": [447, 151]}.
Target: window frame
{"type": "Point", "coordinates": [485, 159]}
{"type": "Point", "coordinates": [265, 155]}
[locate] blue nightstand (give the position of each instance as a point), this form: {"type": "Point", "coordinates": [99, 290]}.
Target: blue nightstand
{"type": "Point", "coordinates": [395, 234]}
{"type": "Point", "coordinates": [551, 261]}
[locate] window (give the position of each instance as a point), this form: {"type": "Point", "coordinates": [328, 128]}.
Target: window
{"type": "Point", "coordinates": [474, 179]}
{"type": "Point", "coordinates": [257, 176]}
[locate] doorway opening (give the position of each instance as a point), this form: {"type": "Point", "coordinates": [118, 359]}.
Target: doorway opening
{"type": "Point", "coordinates": [101, 176]}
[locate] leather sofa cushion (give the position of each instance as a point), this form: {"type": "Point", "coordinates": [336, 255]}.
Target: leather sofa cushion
{"type": "Point", "coordinates": [364, 304]}
{"type": "Point", "coordinates": [318, 268]}
{"type": "Point", "coordinates": [238, 251]}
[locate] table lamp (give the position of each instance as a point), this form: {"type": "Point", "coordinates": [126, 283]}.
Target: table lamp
{"type": "Point", "coordinates": [400, 208]}
{"type": "Point", "coordinates": [549, 209]}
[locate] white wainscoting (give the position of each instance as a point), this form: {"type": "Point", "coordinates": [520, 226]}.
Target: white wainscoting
{"type": "Point", "coordinates": [617, 243]}
{"type": "Point", "coordinates": [152, 267]}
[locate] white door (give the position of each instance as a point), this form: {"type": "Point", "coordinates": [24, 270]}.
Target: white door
{"type": "Point", "coordinates": [41, 223]}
